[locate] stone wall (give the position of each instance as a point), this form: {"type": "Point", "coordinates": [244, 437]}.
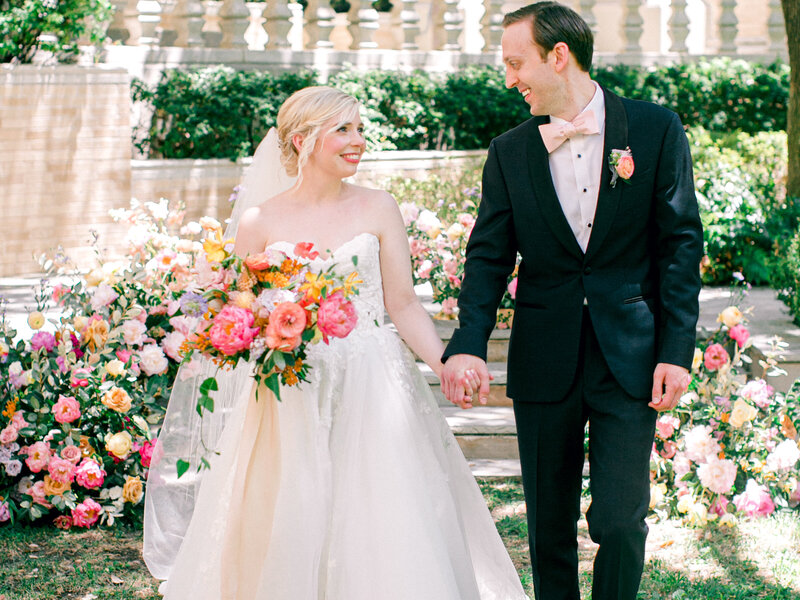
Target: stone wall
{"type": "Point", "coordinates": [65, 152]}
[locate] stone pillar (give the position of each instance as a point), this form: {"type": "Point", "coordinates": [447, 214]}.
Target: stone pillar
{"type": "Point", "coordinates": [587, 12]}
{"type": "Point", "coordinates": [678, 27]}
{"type": "Point", "coordinates": [149, 21]}
{"type": "Point", "coordinates": [320, 19]}
{"type": "Point", "coordinates": [728, 27]}
{"type": "Point", "coordinates": [776, 28]}
{"type": "Point", "coordinates": [492, 25]}
{"type": "Point", "coordinates": [451, 23]}
{"type": "Point", "coordinates": [278, 24]}
{"type": "Point", "coordinates": [256, 35]}
{"type": "Point", "coordinates": [117, 31]}
{"type": "Point", "coordinates": [633, 27]}
{"type": "Point", "coordinates": [363, 24]}
{"type": "Point", "coordinates": [410, 24]}
{"type": "Point", "coordinates": [234, 21]}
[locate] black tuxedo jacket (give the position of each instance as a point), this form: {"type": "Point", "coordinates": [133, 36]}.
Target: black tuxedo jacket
{"type": "Point", "coordinates": [639, 275]}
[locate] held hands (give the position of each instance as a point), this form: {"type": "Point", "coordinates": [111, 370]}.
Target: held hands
{"type": "Point", "coordinates": [462, 376]}
{"type": "Point", "coordinates": [669, 384]}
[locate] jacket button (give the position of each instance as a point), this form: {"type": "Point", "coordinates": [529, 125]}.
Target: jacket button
{"type": "Point", "coordinates": [587, 271]}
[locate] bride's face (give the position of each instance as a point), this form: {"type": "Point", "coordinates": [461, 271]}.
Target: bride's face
{"type": "Point", "coordinates": [340, 147]}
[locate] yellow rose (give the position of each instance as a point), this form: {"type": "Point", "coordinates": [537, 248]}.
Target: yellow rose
{"type": "Point", "coordinates": [119, 444]}
{"type": "Point", "coordinates": [210, 224]}
{"type": "Point", "coordinates": [455, 231]}
{"type": "Point", "coordinates": [657, 494]}
{"type": "Point", "coordinates": [80, 323]}
{"type": "Point", "coordinates": [36, 320]}
{"type": "Point", "coordinates": [698, 359]}
{"type": "Point", "coordinates": [730, 317]}
{"type": "Point", "coordinates": [697, 514]}
{"type": "Point", "coordinates": [117, 399]}
{"type": "Point", "coordinates": [434, 232]}
{"type": "Point", "coordinates": [55, 488]}
{"type": "Point", "coordinates": [115, 367]}
{"type": "Point", "coordinates": [133, 490]}
{"type": "Point", "coordinates": [685, 503]}
{"type": "Point", "coordinates": [742, 413]}
{"type": "Point", "coordinates": [95, 277]}
{"type": "Point", "coordinates": [728, 519]}
{"type": "Point", "coordinates": [243, 299]}
{"type": "Point", "coordinates": [96, 334]}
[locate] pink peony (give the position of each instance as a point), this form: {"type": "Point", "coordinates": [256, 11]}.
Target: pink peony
{"type": "Point", "coordinates": [86, 513]}
{"type": "Point", "coordinates": [288, 320]}
{"type": "Point", "coordinates": [717, 475]}
{"type": "Point", "coordinates": [232, 330]}
{"type": "Point", "coordinates": [700, 444]}
{"type": "Point", "coordinates": [61, 470]}
{"type": "Point", "coordinates": [146, 453]}
{"type": "Point", "coordinates": [740, 334]}
{"type": "Point", "coordinates": [43, 339]}
{"type": "Point", "coordinates": [666, 426]}
{"type": "Point", "coordinates": [71, 453]}
{"type": "Point", "coordinates": [336, 317]}
{"type": "Point", "coordinates": [38, 456]}
{"type": "Point", "coordinates": [89, 474]}
{"type": "Point", "coordinates": [66, 410]}
{"type": "Point", "coordinates": [755, 501]}
{"type": "Point", "coordinates": [759, 392]}
{"type": "Point", "coordinates": [715, 357]}
{"type": "Point", "coordinates": [171, 344]}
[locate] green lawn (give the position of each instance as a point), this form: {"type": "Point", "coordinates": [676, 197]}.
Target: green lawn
{"type": "Point", "coordinates": [756, 559]}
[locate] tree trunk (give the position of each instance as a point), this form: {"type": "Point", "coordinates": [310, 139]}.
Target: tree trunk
{"type": "Point", "coordinates": [791, 15]}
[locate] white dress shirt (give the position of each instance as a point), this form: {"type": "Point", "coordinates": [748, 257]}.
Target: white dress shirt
{"type": "Point", "coordinates": [576, 167]}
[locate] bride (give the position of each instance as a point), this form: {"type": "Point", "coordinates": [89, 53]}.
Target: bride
{"type": "Point", "coordinates": [352, 487]}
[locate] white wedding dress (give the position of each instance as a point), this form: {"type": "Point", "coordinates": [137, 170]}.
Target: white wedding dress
{"type": "Point", "coordinates": [351, 488]}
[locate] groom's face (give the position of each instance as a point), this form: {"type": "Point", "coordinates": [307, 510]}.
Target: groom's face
{"type": "Point", "coordinates": [527, 71]}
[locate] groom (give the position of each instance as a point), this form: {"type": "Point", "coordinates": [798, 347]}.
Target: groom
{"type": "Point", "coordinates": [596, 194]}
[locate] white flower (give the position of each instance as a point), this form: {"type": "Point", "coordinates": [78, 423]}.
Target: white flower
{"type": "Point", "coordinates": [115, 367]}
{"type": "Point", "coordinates": [184, 324]}
{"type": "Point", "coordinates": [410, 212]}
{"type": "Point", "coordinates": [270, 298]}
{"type": "Point", "coordinates": [25, 484]}
{"type": "Point", "coordinates": [700, 444]}
{"type": "Point", "coordinates": [784, 456]}
{"type": "Point", "coordinates": [427, 222]}
{"type": "Point", "coordinates": [191, 228]}
{"type": "Point", "coordinates": [718, 475]}
{"type": "Point", "coordinates": [172, 344]}
{"type": "Point", "coordinates": [5, 454]}
{"type": "Point", "coordinates": [13, 468]}
{"type": "Point", "coordinates": [152, 360]}
{"type": "Point", "coordinates": [15, 369]}
{"type": "Point", "coordinates": [133, 332]}
{"type": "Point", "coordinates": [758, 391]}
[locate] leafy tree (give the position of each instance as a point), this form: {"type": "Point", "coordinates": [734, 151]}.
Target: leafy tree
{"type": "Point", "coordinates": [791, 15]}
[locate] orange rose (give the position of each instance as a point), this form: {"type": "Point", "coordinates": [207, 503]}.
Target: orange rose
{"type": "Point", "coordinates": [625, 166]}
{"type": "Point", "coordinates": [133, 490]}
{"type": "Point", "coordinates": [55, 488]}
{"type": "Point", "coordinates": [117, 399]}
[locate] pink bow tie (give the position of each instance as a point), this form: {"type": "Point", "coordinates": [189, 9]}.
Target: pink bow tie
{"type": "Point", "coordinates": [554, 134]}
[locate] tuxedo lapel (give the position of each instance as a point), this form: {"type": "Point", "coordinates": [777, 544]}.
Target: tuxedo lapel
{"type": "Point", "coordinates": [545, 192]}
{"type": "Point", "coordinates": [616, 138]}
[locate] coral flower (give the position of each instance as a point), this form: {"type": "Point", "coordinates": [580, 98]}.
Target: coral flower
{"type": "Point", "coordinates": [305, 250]}
{"type": "Point", "coordinates": [287, 320]}
{"type": "Point", "coordinates": [336, 317]}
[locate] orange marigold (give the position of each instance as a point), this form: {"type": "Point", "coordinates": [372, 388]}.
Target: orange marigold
{"type": "Point", "coordinates": [11, 408]}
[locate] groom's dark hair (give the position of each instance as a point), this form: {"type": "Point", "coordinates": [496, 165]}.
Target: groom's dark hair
{"type": "Point", "coordinates": [552, 23]}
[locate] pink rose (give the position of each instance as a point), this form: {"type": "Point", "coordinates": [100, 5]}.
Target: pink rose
{"type": "Point", "coordinates": [625, 166]}
{"type": "Point", "coordinates": [61, 470]}
{"type": "Point", "coordinates": [232, 330]}
{"type": "Point", "coordinates": [740, 334]}
{"type": "Point", "coordinates": [66, 410]}
{"type": "Point", "coordinates": [36, 492]}
{"type": "Point", "coordinates": [59, 290]}
{"type": "Point", "coordinates": [669, 449]}
{"type": "Point", "coordinates": [89, 474]}
{"type": "Point", "coordinates": [146, 453]}
{"type": "Point", "coordinates": [336, 317]}
{"type": "Point", "coordinates": [5, 512]}
{"type": "Point", "coordinates": [80, 377]}
{"type": "Point", "coordinates": [9, 434]}
{"type": "Point", "coordinates": [666, 426]}
{"type": "Point", "coordinates": [38, 456]}
{"type": "Point", "coordinates": [287, 320]}
{"type": "Point", "coordinates": [449, 306]}
{"type": "Point", "coordinates": [86, 513]}
{"type": "Point", "coordinates": [18, 420]}
{"type": "Point", "coordinates": [512, 288]}
{"type": "Point", "coordinates": [715, 356]}
{"type": "Point", "coordinates": [755, 501]}
{"type": "Point", "coordinates": [263, 260]}
{"type": "Point", "coordinates": [43, 339]}
{"type": "Point", "coordinates": [719, 506]}
{"type": "Point", "coordinates": [124, 355]}
{"type": "Point", "coordinates": [72, 454]}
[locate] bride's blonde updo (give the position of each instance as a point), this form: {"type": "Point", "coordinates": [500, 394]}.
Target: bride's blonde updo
{"type": "Point", "coordinates": [305, 113]}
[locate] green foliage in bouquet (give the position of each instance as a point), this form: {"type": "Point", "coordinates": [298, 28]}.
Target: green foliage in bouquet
{"type": "Point", "coordinates": [730, 448]}
{"type": "Point", "coordinates": [27, 26]}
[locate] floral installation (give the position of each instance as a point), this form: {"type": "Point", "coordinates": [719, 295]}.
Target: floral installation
{"type": "Point", "coordinates": [266, 308]}
{"type": "Point", "coordinates": [730, 448]}
{"type": "Point", "coordinates": [621, 164]}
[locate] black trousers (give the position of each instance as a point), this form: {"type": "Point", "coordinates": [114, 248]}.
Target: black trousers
{"type": "Point", "coordinates": [551, 444]}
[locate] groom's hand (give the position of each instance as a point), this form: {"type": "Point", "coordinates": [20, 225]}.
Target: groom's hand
{"type": "Point", "coordinates": [462, 376]}
{"type": "Point", "coordinates": [669, 384]}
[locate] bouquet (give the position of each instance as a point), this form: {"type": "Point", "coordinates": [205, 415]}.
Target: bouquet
{"type": "Point", "coordinates": [266, 308]}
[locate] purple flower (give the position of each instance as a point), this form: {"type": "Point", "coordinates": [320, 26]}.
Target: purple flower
{"type": "Point", "coordinates": [43, 339]}
{"type": "Point", "coordinates": [234, 195]}
{"type": "Point", "coordinates": [193, 304]}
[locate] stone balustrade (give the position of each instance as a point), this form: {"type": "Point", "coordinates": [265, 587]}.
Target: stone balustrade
{"type": "Point", "coordinates": [150, 35]}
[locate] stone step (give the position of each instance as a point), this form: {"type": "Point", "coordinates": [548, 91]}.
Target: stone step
{"type": "Point", "coordinates": [484, 432]}
{"type": "Point", "coordinates": [497, 393]}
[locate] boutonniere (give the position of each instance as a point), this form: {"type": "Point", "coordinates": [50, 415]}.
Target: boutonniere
{"type": "Point", "coordinates": [621, 164]}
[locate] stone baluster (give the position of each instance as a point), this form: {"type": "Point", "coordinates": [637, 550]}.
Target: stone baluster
{"type": "Point", "coordinates": [452, 21]}
{"type": "Point", "coordinates": [678, 27]}
{"type": "Point", "coordinates": [167, 32]}
{"type": "Point", "coordinates": [633, 26]}
{"type": "Point", "coordinates": [234, 21]}
{"type": "Point", "coordinates": [211, 33]}
{"type": "Point", "coordinates": [728, 27]}
{"type": "Point", "coordinates": [776, 28]}
{"type": "Point", "coordinates": [117, 31]}
{"type": "Point", "coordinates": [256, 35]}
{"type": "Point", "coordinates": [363, 24]}
{"type": "Point", "coordinates": [320, 18]}
{"type": "Point", "coordinates": [492, 25]}
{"type": "Point", "coordinates": [149, 20]}
{"type": "Point", "coordinates": [410, 24]}
{"type": "Point", "coordinates": [278, 24]}
{"type": "Point", "coordinates": [587, 12]}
